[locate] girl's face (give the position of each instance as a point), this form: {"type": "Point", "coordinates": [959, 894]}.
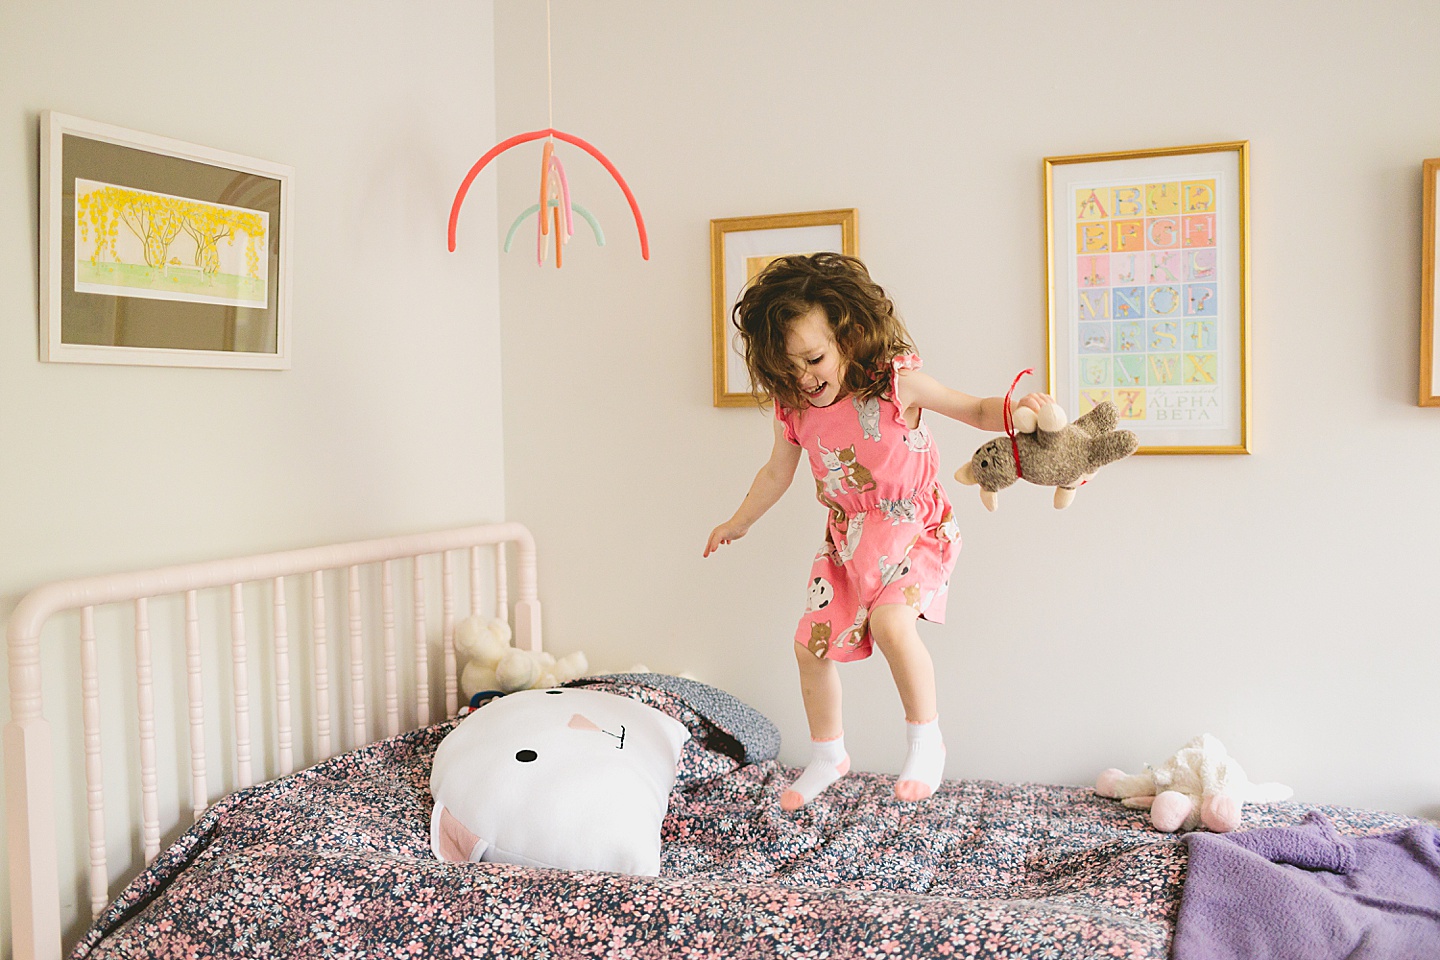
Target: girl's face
{"type": "Point", "coordinates": [819, 367]}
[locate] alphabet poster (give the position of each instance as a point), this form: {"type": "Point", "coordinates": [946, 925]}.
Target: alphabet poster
{"type": "Point", "coordinates": [1146, 278]}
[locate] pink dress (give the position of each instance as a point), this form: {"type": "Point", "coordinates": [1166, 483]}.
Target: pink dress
{"type": "Point", "coordinates": [891, 536]}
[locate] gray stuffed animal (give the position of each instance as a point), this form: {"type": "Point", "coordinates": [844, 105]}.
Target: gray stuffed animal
{"type": "Point", "coordinates": [1057, 454]}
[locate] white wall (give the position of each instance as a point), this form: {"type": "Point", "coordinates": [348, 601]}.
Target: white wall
{"type": "Point", "coordinates": [389, 419]}
{"type": "Point", "coordinates": [1283, 601]}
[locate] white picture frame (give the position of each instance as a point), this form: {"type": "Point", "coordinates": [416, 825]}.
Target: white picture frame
{"type": "Point", "coordinates": [158, 252]}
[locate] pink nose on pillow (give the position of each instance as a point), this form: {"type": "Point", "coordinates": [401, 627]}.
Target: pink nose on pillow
{"type": "Point", "coordinates": [581, 722]}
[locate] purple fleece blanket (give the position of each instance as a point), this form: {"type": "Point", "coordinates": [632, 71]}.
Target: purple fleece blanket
{"type": "Point", "coordinates": [1306, 892]}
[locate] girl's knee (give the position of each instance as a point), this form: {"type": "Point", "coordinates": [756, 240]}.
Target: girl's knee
{"type": "Point", "coordinates": [893, 624]}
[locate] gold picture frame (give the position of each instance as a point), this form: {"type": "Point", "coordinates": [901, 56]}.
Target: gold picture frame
{"type": "Point", "coordinates": [1148, 290]}
{"type": "Point", "coordinates": [739, 248]}
{"type": "Point", "coordinates": [1429, 332]}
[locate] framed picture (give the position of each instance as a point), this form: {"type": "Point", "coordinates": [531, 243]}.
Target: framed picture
{"type": "Point", "coordinates": [1147, 258]}
{"type": "Point", "coordinates": [159, 252]}
{"type": "Point", "coordinates": [740, 247]}
{"type": "Point", "coordinates": [1429, 332]}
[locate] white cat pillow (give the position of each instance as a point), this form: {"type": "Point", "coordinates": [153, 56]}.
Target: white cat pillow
{"type": "Point", "coordinates": [570, 778]}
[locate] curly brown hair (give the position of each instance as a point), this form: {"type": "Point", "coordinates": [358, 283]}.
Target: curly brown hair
{"type": "Point", "coordinates": [862, 319]}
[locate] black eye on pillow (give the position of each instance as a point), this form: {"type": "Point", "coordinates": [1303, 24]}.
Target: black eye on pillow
{"type": "Point", "coordinates": [526, 756]}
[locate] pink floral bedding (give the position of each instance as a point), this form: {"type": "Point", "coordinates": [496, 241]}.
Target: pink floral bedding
{"type": "Point", "coordinates": [335, 861]}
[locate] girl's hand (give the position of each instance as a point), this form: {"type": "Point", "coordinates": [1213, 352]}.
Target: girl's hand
{"type": "Point", "coordinates": [1033, 400]}
{"type": "Point", "coordinates": [727, 531]}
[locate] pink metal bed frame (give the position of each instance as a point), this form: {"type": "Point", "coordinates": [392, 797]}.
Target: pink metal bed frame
{"type": "Point", "coordinates": [29, 771]}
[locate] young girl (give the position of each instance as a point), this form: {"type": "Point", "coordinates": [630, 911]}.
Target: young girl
{"type": "Point", "coordinates": [823, 340]}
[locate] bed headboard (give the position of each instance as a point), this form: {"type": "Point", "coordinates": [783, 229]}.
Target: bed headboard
{"type": "Point", "coordinates": [365, 573]}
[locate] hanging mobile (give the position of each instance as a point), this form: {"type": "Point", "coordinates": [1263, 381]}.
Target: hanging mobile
{"type": "Point", "coordinates": [555, 208]}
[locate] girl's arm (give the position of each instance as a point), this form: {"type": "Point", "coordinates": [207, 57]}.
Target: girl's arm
{"type": "Point", "coordinates": [916, 390]}
{"type": "Point", "coordinates": [770, 484]}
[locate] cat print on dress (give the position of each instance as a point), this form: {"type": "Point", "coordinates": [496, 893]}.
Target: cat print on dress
{"type": "Point", "coordinates": [854, 529]}
{"type": "Point", "coordinates": [949, 529]}
{"type": "Point", "coordinates": [900, 511]}
{"type": "Point", "coordinates": [852, 636]}
{"type": "Point", "coordinates": [890, 572]}
{"type": "Point", "coordinates": [844, 473]}
{"type": "Point", "coordinates": [819, 639]}
{"type": "Point", "coordinates": [834, 471]}
{"type": "Point", "coordinates": [869, 411]}
{"type": "Point", "coordinates": [837, 514]}
{"type": "Point", "coordinates": [918, 440]}
{"type": "Point", "coordinates": [857, 476]}
{"type": "Point", "coordinates": [912, 596]}
{"type": "Point", "coordinates": [820, 595]}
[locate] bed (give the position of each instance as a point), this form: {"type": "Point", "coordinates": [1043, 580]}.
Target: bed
{"type": "Point", "coordinates": [334, 859]}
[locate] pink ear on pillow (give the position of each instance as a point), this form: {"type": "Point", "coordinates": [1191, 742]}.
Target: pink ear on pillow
{"type": "Point", "coordinates": [450, 840]}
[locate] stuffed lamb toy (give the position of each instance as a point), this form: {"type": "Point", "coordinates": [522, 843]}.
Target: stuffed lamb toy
{"type": "Point", "coordinates": [1200, 784]}
{"type": "Point", "coordinates": [491, 663]}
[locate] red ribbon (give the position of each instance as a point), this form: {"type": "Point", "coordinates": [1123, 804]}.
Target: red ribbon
{"type": "Point", "coordinates": [1010, 422]}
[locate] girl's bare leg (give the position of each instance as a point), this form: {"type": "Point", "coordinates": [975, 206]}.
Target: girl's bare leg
{"type": "Point", "coordinates": [892, 627]}
{"type": "Point", "coordinates": [820, 688]}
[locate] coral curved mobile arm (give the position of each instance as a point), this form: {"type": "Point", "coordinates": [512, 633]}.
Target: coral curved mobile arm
{"type": "Point", "coordinates": [520, 138]}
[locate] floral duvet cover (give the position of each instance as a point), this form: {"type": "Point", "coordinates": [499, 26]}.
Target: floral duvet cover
{"type": "Point", "coordinates": [335, 861]}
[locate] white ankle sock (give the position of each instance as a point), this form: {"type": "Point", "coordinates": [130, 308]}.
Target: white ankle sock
{"type": "Point", "coordinates": [828, 763]}
{"type": "Point", "coordinates": [924, 761]}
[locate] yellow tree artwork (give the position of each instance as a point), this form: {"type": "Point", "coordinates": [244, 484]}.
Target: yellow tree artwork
{"type": "Point", "coordinates": [135, 243]}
